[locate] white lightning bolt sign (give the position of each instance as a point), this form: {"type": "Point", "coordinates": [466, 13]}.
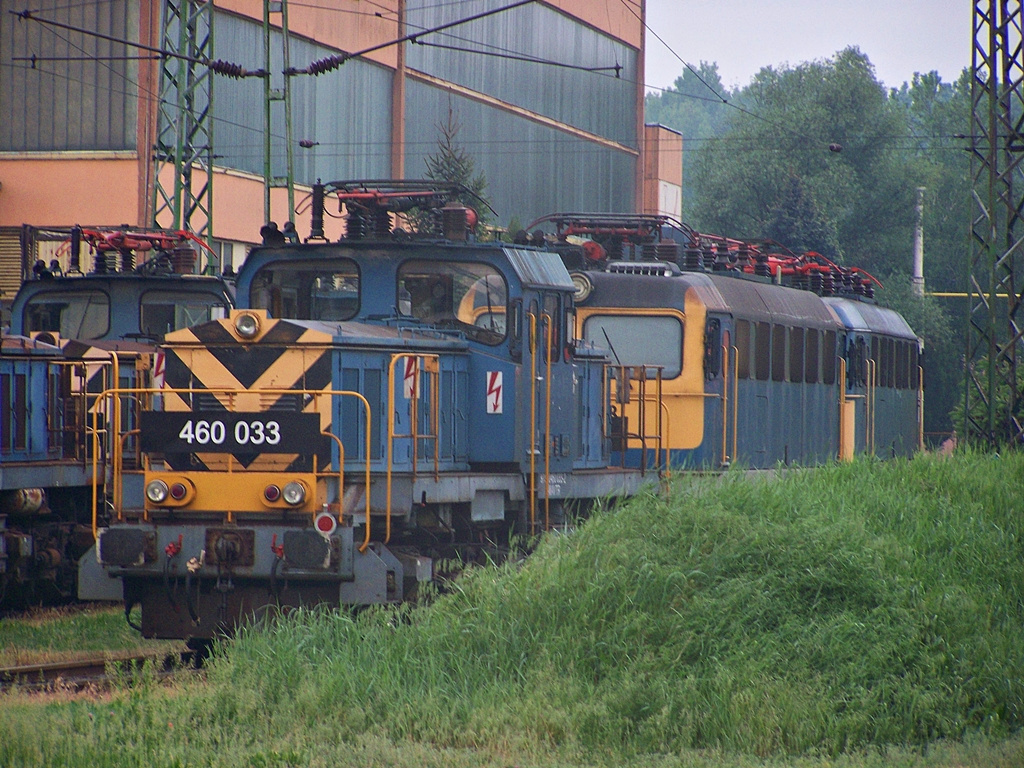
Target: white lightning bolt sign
{"type": "Point", "coordinates": [494, 398]}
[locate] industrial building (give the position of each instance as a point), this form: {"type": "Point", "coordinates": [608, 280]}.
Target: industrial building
{"type": "Point", "coordinates": [103, 126]}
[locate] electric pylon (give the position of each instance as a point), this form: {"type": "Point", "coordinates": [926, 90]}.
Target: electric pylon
{"type": "Point", "coordinates": [993, 394]}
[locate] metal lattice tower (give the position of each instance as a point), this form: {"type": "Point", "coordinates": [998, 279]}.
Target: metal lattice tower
{"type": "Point", "coordinates": [183, 153]}
{"type": "Point", "coordinates": [282, 98]}
{"type": "Point", "coordinates": [993, 394]}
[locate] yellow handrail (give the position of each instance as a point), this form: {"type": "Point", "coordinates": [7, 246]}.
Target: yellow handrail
{"type": "Point", "coordinates": [434, 371]}
{"type": "Point", "coordinates": [533, 420]}
{"type": "Point", "coordinates": [547, 425]}
{"type": "Point", "coordinates": [113, 396]}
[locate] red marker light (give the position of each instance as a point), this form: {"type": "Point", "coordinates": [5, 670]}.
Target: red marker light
{"type": "Point", "coordinates": [271, 493]}
{"type": "Point", "coordinates": [325, 523]}
{"type": "Point", "coordinates": [178, 491]}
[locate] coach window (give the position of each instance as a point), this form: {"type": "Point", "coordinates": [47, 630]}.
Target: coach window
{"type": "Point", "coordinates": [828, 358]}
{"type": "Point", "coordinates": [743, 349]}
{"type": "Point", "coordinates": [78, 315]}
{"type": "Point", "coordinates": [901, 365]}
{"type": "Point", "coordinates": [778, 353]}
{"type": "Point", "coordinates": [812, 346]}
{"type": "Point", "coordinates": [164, 311]}
{"type": "Point", "coordinates": [796, 355]}
{"type": "Point", "coordinates": [307, 290]}
{"type": "Point", "coordinates": [639, 340]}
{"type": "Point", "coordinates": [763, 351]}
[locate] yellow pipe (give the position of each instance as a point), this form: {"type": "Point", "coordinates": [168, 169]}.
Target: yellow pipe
{"type": "Point", "coordinates": [735, 401]}
{"type": "Point", "coordinates": [920, 408]}
{"type": "Point", "coordinates": [547, 429]}
{"type": "Point", "coordinates": [725, 406]}
{"type": "Point", "coordinates": [533, 418]}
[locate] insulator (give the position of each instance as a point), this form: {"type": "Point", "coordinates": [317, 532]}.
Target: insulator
{"type": "Point", "coordinates": [649, 251]}
{"type": "Point", "coordinates": [614, 248]}
{"type": "Point", "coordinates": [321, 66]}
{"type": "Point", "coordinates": [816, 282]}
{"type": "Point", "coordinates": [869, 290]}
{"type": "Point", "coordinates": [828, 284]}
{"type": "Point", "coordinates": [74, 265]}
{"type": "Point", "coordinates": [668, 251]}
{"type": "Point", "coordinates": [317, 227]}
{"type": "Point", "coordinates": [800, 282]}
{"type": "Point", "coordinates": [761, 265]}
{"type": "Point", "coordinates": [127, 260]}
{"type": "Point", "coordinates": [356, 225]}
{"type": "Point", "coordinates": [693, 260]}
{"type": "Point", "coordinates": [721, 257]}
{"type": "Point", "coordinates": [709, 259]}
{"type": "Point", "coordinates": [381, 223]}
{"type": "Point", "coordinates": [229, 69]}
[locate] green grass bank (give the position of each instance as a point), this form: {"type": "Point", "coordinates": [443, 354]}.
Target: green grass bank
{"type": "Point", "coordinates": [863, 614]}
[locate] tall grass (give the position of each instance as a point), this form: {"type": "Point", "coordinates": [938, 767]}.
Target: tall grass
{"type": "Point", "coordinates": [854, 607]}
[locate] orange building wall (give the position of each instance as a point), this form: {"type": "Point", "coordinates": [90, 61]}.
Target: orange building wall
{"type": "Point", "coordinates": [69, 189]}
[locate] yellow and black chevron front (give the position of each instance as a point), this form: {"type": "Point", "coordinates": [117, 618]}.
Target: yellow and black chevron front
{"type": "Point", "coordinates": [212, 368]}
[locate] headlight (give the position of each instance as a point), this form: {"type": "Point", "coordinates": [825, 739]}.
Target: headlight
{"type": "Point", "coordinates": [294, 494]}
{"type": "Point", "coordinates": [247, 325]}
{"type": "Point", "coordinates": [156, 491]}
{"type": "Point", "coordinates": [583, 286]}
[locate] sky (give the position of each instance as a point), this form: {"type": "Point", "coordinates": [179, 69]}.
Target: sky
{"type": "Point", "coordinates": [900, 37]}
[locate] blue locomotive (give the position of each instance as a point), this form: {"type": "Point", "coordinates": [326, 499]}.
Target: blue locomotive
{"type": "Point", "coordinates": [73, 335]}
{"type": "Point", "coordinates": [391, 400]}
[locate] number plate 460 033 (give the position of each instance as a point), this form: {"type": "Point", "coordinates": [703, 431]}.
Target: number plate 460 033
{"type": "Point", "coordinates": [225, 432]}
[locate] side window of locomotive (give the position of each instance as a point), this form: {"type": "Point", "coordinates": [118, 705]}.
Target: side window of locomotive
{"type": "Point", "coordinates": [828, 358]}
{"type": "Point", "coordinates": [164, 311]}
{"type": "Point", "coordinates": [308, 290]}
{"type": "Point", "coordinates": [643, 340]}
{"type": "Point", "coordinates": [778, 353]}
{"type": "Point", "coordinates": [796, 355]}
{"type": "Point", "coordinates": [915, 371]}
{"type": "Point", "coordinates": [762, 351]}
{"type": "Point", "coordinates": [812, 347]}
{"type": "Point", "coordinates": [469, 297]}
{"type": "Point", "coordinates": [743, 349]}
{"type": "Point", "coordinates": [80, 315]}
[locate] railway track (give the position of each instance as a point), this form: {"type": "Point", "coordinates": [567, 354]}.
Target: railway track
{"type": "Point", "coordinates": [98, 672]}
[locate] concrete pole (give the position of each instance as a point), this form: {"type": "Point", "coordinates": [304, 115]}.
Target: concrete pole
{"type": "Point", "coordinates": [918, 279]}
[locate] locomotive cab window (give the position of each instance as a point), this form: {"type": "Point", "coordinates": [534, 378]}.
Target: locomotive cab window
{"type": "Point", "coordinates": [639, 340]}
{"type": "Point", "coordinates": [468, 297]}
{"type": "Point", "coordinates": [308, 290]}
{"type": "Point", "coordinates": [80, 315]}
{"type": "Point", "coordinates": [165, 311]}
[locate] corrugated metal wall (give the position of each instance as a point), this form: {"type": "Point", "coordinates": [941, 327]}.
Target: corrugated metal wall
{"type": "Point", "coordinates": [597, 102]}
{"type": "Point", "coordinates": [10, 264]}
{"type": "Point", "coordinates": [347, 111]}
{"type": "Point", "coordinates": [85, 102]}
{"type": "Point", "coordinates": [531, 169]}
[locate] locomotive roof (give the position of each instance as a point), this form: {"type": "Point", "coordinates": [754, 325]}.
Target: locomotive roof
{"type": "Point", "coordinates": [869, 318]}
{"type": "Point", "coordinates": [287, 331]}
{"type": "Point", "coordinates": [534, 268]}
{"type": "Point", "coordinates": [744, 298]}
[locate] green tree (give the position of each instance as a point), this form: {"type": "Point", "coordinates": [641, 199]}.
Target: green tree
{"type": "Point", "coordinates": [796, 222]}
{"type": "Point", "coordinates": [452, 164]}
{"type": "Point", "coordinates": [830, 125]}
